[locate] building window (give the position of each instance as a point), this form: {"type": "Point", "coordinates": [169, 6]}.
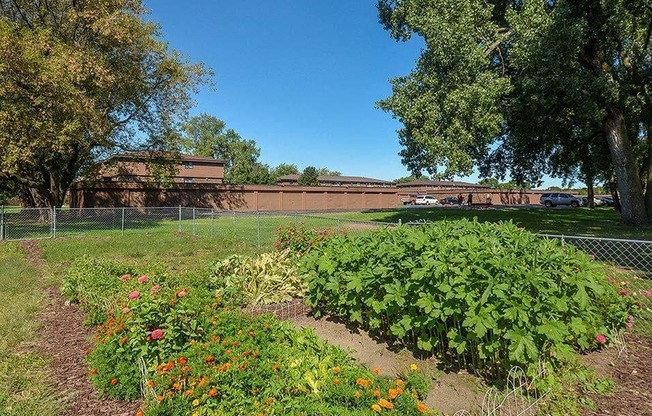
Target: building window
{"type": "Point", "coordinates": [187, 180]}
{"type": "Point", "coordinates": [187, 165]}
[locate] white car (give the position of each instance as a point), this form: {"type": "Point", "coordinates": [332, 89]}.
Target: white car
{"type": "Point", "coordinates": [426, 200]}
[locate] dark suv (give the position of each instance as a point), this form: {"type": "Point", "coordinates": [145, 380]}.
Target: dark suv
{"type": "Point", "coordinates": [560, 198]}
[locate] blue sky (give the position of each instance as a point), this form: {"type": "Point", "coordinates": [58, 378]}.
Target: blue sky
{"type": "Point", "coordinates": [300, 77]}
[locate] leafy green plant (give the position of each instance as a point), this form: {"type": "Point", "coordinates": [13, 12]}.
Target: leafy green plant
{"type": "Point", "coordinates": [299, 238]}
{"type": "Point", "coordinates": [264, 279]}
{"type": "Point", "coordinates": [487, 296]}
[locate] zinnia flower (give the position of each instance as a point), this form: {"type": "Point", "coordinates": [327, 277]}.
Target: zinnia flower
{"type": "Point", "coordinates": [142, 279]}
{"type": "Point", "coordinates": [126, 310]}
{"type": "Point", "coordinates": [376, 371]}
{"type": "Point", "coordinates": [155, 289]}
{"type": "Point", "coordinates": [600, 339]}
{"type": "Point", "coordinates": [421, 408]}
{"type": "Point", "coordinates": [157, 334]}
{"type": "Point", "coordinates": [134, 295]}
{"type": "Point", "coordinates": [125, 277]}
{"type": "Point", "coordinates": [413, 367]}
{"type": "Point", "coordinates": [647, 293]}
{"type": "Point", "coordinates": [183, 293]}
{"type": "Point", "coordinates": [212, 392]}
{"type": "Point", "coordinates": [114, 381]}
{"type": "Point", "coordinates": [386, 404]}
{"type": "Point", "coordinates": [376, 408]}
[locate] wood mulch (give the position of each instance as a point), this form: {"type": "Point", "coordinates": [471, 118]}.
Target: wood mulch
{"type": "Point", "coordinates": [64, 340]}
{"type": "Point", "coordinates": [632, 373]}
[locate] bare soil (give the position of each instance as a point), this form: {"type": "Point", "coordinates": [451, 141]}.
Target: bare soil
{"type": "Point", "coordinates": [450, 391]}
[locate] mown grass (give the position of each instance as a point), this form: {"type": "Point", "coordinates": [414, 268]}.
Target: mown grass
{"type": "Point", "coordinates": [600, 222]}
{"type": "Point", "coordinates": [24, 386]}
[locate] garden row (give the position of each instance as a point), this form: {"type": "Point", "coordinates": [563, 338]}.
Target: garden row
{"type": "Point", "coordinates": [481, 295]}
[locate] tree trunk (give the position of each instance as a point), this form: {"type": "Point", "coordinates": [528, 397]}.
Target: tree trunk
{"type": "Point", "coordinates": [590, 194]}
{"type": "Point", "coordinates": [629, 185]}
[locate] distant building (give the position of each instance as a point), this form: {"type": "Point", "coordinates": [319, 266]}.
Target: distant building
{"type": "Point", "coordinates": [425, 186]}
{"type": "Point", "coordinates": [327, 180]}
{"type": "Point", "coordinates": [137, 167]}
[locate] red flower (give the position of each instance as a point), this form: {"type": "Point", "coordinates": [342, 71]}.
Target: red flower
{"type": "Point", "coordinates": [114, 381]}
{"type": "Point", "coordinates": [155, 289]}
{"type": "Point", "coordinates": [142, 279]}
{"type": "Point", "coordinates": [134, 295]}
{"type": "Point", "coordinates": [157, 334]}
{"type": "Point", "coordinates": [125, 277]}
{"type": "Point", "coordinates": [183, 293]}
{"type": "Point", "coordinates": [600, 339]}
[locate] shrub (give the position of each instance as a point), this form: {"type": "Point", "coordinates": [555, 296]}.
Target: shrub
{"type": "Point", "coordinates": [486, 295]}
{"type": "Point", "coordinates": [300, 239]}
{"type": "Point", "coordinates": [267, 278]}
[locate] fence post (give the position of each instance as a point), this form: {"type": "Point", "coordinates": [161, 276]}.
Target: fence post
{"type": "Point", "coordinates": [258, 223]}
{"type": "Point", "coordinates": [212, 222]}
{"type": "Point", "coordinates": [400, 222]}
{"type": "Point", "coordinates": [54, 222]}
{"type": "Point", "coordinates": [123, 221]}
{"type": "Point", "coordinates": [179, 218]}
{"type": "Point", "coordinates": [2, 222]}
{"type": "Point", "coordinates": [193, 221]}
{"type": "Point", "coordinates": [562, 240]}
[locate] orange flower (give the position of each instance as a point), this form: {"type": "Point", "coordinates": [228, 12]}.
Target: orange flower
{"type": "Point", "coordinates": [203, 382]}
{"type": "Point", "coordinates": [124, 340]}
{"type": "Point", "coordinates": [337, 370]}
{"type": "Point", "coordinates": [393, 393]}
{"type": "Point", "coordinates": [421, 408]}
{"type": "Point", "coordinates": [212, 392]}
{"type": "Point", "coordinates": [376, 408]}
{"type": "Point", "coordinates": [376, 371]}
{"type": "Point", "coordinates": [384, 403]}
{"type": "Point", "coordinates": [114, 381]}
{"type": "Point", "coordinates": [245, 353]}
{"type": "Point", "coordinates": [357, 394]}
{"type": "Point", "coordinates": [169, 366]}
{"type": "Point", "coordinates": [160, 398]}
{"type": "Point", "coordinates": [140, 412]}
{"type": "Point", "coordinates": [189, 393]}
{"type": "Point", "coordinates": [269, 400]}
{"type": "Point", "coordinates": [400, 383]}
{"type": "Point", "coordinates": [276, 367]}
{"type": "Point", "coordinates": [255, 354]}
{"type": "Point", "coordinates": [176, 386]}
{"type": "Point", "coordinates": [210, 359]}
{"type": "Point", "coordinates": [362, 382]}
{"type": "Point", "coordinates": [336, 381]}
{"type": "Point", "coordinates": [376, 393]}
{"type": "Point", "coordinates": [150, 383]}
{"type": "Point", "coordinates": [94, 371]}
{"type": "Point", "coordinates": [182, 361]}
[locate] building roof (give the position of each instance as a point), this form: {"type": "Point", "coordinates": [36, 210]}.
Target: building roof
{"type": "Point", "coordinates": [440, 184]}
{"type": "Point", "coordinates": [339, 179]}
{"type": "Point", "coordinates": [183, 157]}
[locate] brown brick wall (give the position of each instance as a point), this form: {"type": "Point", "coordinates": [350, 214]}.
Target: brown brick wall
{"type": "Point", "coordinates": [268, 197]}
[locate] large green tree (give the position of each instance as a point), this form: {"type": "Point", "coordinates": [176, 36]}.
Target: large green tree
{"type": "Point", "coordinates": [528, 87]}
{"type": "Point", "coordinates": [206, 135]}
{"type": "Point", "coordinates": [80, 80]}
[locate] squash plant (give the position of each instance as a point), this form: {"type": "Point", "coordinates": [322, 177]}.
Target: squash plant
{"type": "Point", "coordinates": [485, 295]}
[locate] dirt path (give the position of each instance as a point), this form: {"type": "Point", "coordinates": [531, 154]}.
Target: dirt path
{"type": "Point", "coordinates": [64, 339]}
{"type": "Point", "coordinates": [450, 392]}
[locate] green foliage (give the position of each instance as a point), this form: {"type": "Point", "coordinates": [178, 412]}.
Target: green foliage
{"type": "Point", "coordinates": [487, 295]}
{"type": "Point", "coordinates": [78, 80]}
{"type": "Point", "coordinates": [309, 177]}
{"type": "Point", "coordinates": [299, 239]}
{"type": "Point", "coordinates": [264, 279]}
{"type": "Point", "coordinates": [206, 135]}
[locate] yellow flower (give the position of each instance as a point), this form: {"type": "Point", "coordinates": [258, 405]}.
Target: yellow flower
{"type": "Point", "coordinates": [376, 408]}
{"type": "Point", "coordinates": [195, 402]}
{"type": "Point", "coordinates": [413, 367]}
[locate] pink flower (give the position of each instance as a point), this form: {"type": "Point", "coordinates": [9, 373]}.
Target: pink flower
{"type": "Point", "coordinates": [157, 334]}
{"type": "Point", "coordinates": [155, 289]}
{"type": "Point", "coordinates": [142, 279]}
{"type": "Point", "coordinates": [125, 277]}
{"type": "Point", "coordinates": [126, 310]}
{"type": "Point", "coordinates": [624, 292]}
{"type": "Point", "coordinates": [600, 339]}
{"type": "Point", "coordinates": [647, 293]}
{"type": "Point", "coordinates": [630, 321]}
{"type": "Point", "coordinates": [183, 293]}
{"type": "Point", "coordinates": [630, 324]}
{"type": "Point", "coordinates": [134, 295]}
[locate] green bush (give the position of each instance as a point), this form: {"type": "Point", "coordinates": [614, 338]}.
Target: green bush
{"type": "Point", "coordinates": [264, 279]}
{"type": "Point", "coordinates": [486, 295]}
{"type": "Point", "coordinates": [300, 239]}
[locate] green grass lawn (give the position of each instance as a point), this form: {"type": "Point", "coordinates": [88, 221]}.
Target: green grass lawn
{"type": "Point", "coordinates": [600, 222]}
{"type": "Point", "coordinates": [24, 386]}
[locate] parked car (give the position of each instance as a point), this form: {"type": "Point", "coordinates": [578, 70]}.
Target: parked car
{"type": "Point", "coordinates": [560, 198]}
{"type": "Point", "coordinates": [409, 200]}
{"type": "Point", "coordinates": [426, 200]}
{"type": "Point", "coordinates": [597, 202]}
{"type": "Point", "coordinates": [449, 200]}
{"type": "Point", "coordinates": [606, 201]}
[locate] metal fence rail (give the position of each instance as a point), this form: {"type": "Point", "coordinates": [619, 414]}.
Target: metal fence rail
{"type": "Point", "coordinates": [630, 254]}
